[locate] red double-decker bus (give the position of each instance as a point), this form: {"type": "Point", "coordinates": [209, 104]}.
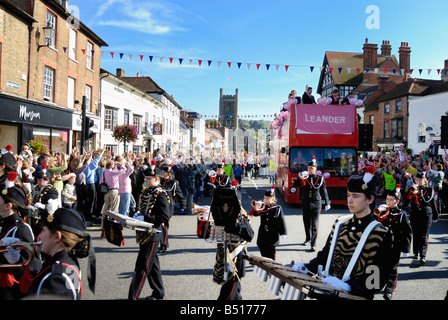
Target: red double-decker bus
{"type": "Point", "coordinates": [327, 132]}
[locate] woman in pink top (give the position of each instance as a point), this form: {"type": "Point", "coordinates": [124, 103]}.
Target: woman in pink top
{"type": "Point", "coordinates": [125, 187]}
{"type": "Point", "coordinates": [111, 177]}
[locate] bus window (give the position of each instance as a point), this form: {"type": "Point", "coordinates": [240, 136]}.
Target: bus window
{"type": "Point", "coordinates": [300, 157]}
{"type": "Point", "coordinates": [339, 162]}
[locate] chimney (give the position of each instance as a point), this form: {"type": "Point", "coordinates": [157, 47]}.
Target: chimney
{"type": "Point", "coordinates": [120, 73]}
{"type": "Point", "coordinates": [386, 48]}
{"type": "Point", "coordinates": [444, 71]}
{"type": "Point", "coordinates": [370, 55]}
{"type": "Point", "coordinates": [64, 3]}
{"type": "Point", "coordinates": [405, 56]}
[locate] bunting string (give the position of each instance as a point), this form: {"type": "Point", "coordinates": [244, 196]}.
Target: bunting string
{"type": "Point", "coordinates": [267, 66]}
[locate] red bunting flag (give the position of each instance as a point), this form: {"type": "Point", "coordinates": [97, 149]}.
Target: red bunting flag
{"type": "Point", "coordinates": [258, 66]}
{"type": "Point", "coordinates": [200, 62]}
{"type": "Point", "coordinates": [112, 54]}
{"type": "Point", "coordinates": [83, 51]}
{"type": "Point", "coordinates": [358, 70]}
{"type": "Point", "coordinates": [141, 57]}
{"type": "Point", "coordinates": [171, 60]}
{"type": "Point", "coordinates": [286, 68]}
{"type": "Point", "coordinates": [229, 63]}
{"type": "Point", "coordinates": [385, 70]}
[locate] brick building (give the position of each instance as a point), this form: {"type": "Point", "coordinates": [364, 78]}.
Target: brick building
{"type": "Point", "coordinates": [365, 73]}
{"type": "Point", "coordinates": [49, 61]}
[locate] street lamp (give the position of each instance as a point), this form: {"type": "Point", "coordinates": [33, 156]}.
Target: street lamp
{"type": "Point", "coordinates": [49, 34]}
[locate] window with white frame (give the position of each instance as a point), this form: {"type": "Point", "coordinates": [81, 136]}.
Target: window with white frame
{"type": "Point", "coordinates": [110, 118]}
{"type": "Point", "coordinates": [72, 44]}
{"type": "Point", "coordinates": [48, 84]}
{"type": "Point", "coordinates": [51, 22]}
{"type": "Point", "coordinates": [137, 121]}
{"type": "Point", "coordinates": [71, 93]}
{"type": "Point", "coordinates": [89, 53]}
{"type": "Point", "coordinates": [398, 106]}
{"type": "Point", "coordinates": [89, 98]}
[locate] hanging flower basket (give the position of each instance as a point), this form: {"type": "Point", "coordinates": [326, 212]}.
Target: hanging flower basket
{"type": "Point", "coordinates": [125, 133]}
{"type": "Point", "coordinates": [38, 147]}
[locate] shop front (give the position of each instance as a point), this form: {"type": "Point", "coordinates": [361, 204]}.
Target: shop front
{"type": "Point", "coordinates": [23, 120]}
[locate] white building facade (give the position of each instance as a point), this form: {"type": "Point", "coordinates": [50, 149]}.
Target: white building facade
{"type": "Point", "coordinates": [122, 103]}
{"type": "Point", "coordinates": [424, 124]}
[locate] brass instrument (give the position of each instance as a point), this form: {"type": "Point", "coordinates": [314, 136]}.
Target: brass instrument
{"type": "Point", "coordinates": [202, 212]}
{"type": "Point", "coordinates": [381, 212]}
{"type": "Point", "coordinates": [257, 205]}
{"type": "Point", "coordinates": [18, 246]}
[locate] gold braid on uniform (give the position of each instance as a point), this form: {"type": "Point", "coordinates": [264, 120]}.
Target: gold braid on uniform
{"type": "Point", "coordinates": [143, 237]}
{"type": "Point", "coordinates": [346, 246]}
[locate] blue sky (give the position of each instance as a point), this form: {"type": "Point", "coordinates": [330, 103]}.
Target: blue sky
{"type": "Point", "coordinates": [283, 32]}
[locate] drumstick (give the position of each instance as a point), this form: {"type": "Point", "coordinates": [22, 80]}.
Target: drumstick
{"type": "Point", "coordinates": [308, 272]}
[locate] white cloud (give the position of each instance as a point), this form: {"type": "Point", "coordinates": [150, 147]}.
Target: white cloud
{"type": "Point", "coordinates": [138, 15]}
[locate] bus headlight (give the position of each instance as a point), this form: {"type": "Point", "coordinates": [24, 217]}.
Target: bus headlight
{"type": "Point", "coordinates": [293, 190]}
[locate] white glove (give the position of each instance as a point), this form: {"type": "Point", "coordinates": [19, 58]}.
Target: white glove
{"type": "Point", "coordinates": [327, 207]}
{"type": "Point", "coordinates": [405, 254]}
{"type": "Point", "coordinates": [336, 283]}
{"type": "Point", "coordinates": [300, 267]}
{"type": "Point", "coordinates": [303, 174]}
{"type": "Point", "coordinates": [12, 255]}
{"type": "Point", "coordinates": [283, 236]}
{"type": "Point", "coordinates": [138, 216]}
{"type": "Point", "coordinates": [39, 205]}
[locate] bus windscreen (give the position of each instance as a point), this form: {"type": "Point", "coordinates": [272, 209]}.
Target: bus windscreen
{"type": "Point", "coordinates": [338, 162]}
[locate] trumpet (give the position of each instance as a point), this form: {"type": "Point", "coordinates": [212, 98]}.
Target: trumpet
{"type": "Point", "coordinates": [200, 209]}
{"type": "Point", "coordinates": [19, 246]}
{"type": "Point", "coordinates": [257, 205]}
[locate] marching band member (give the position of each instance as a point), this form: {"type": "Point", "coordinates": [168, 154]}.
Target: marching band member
{"type": "Point", "coordinates": [7, 163]}
{"type": "Point", "coordinates": [272, 224]}
{"type": "Point", "coordinates": [221, 180]}
{"type": "Point", "coordinates": [172, 188]}
{"type": "Point", "coordinates": [13, 201]}
{"type": "Point", "coordinates": [312, 190]}
{"type": "Point", "coordinates": [421, 198]}
{"type": "Point", "coordinates": [397, 221]}
{"type": "Point", "coordinates": [155, 209]}
{"type": "Point", "coordinates": [64, 240]}
{"type": "Point", "coordinates": [45, 200]}
{"type": "Point", "coordinates": [375, 255]}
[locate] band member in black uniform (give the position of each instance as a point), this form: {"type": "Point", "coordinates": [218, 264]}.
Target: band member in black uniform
{"type": "Point", "coordinates": [13, 202]}
{"type": "Point", "coordinates": [421, 198]}
{"type": "Point", "coordinates": [64, 240]}
{"type": "Point", "coordinates": [172, 188]}
{"type": "Point", "coordinates": [155, 209]}
{"type": "Point", "coordinates": [375, 258]}
{"type": "Point", "coordinates": [7, 163]}
{"type": "Point", "coordinates": [312, 190]}
{"type": "Point", "coordinates": [221, 180]}
{"type": "Point", "coordinates": [272, 224]}
{"type": "Point", "coordinates": [45, 200]}
{"type": "Point", "coordinates": [391, 216]}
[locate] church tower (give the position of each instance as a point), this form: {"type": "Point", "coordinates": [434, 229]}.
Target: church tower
{"type": "Point", "coordinates": [228, 109]}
